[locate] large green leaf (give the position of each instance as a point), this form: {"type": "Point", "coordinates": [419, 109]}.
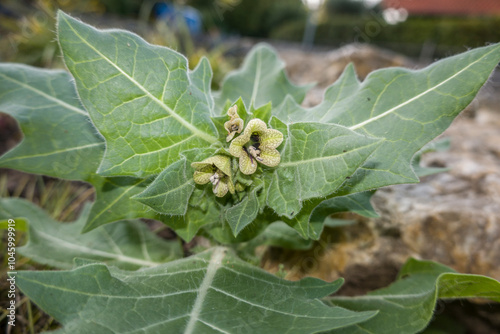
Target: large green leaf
{"type": "Point", "coordinates": [127, 244]}
{"type": "Point", "coordinates": [260, 80]}
{"type": "Point", "coordinates": [59, 139]}
{"type": "Point", "coordinates": [405, 108]}
{"type": "Point", "coordinates": [407, 305]}
{"type": "Point", "coordinates": [142, 98]}
{"type": "Point", "coordinates": [212, 292]}
{"type": "Point", "coordinates": [316, 159]}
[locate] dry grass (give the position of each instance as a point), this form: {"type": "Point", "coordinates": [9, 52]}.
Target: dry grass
{"type": "Point", "coordinates": [63, 200]}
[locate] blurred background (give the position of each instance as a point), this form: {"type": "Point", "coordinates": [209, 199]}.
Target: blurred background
{"type": "Point", "coordinates": [316, 38]}
{"type": "Point", "coordinates": [423, 29]}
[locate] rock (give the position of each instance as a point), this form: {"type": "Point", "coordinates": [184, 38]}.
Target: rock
{"type": "Point", "coordinates": [325, 67]}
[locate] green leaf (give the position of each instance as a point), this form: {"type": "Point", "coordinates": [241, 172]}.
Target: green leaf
{"type": "Point", "coordinates": [315, 214]}
{"type": "Point", "coordinates": [260, 80]}
{"type": "Point", "coordinates": [345, 86]}
{"type": "Point", "coordinates": [221, 232]}
{"type": "Point", "coordinates": [316, 159]}
{"type": "Point", "coordinates": [113, 201]}
{"type": "Point", "coordinates": [202, 79]}
{"type": "Point", "coordinates": [243, 213]}
{"type": "Point", "coordinates": [142, 98]}
{"type": "Point", "coordinates": [170, 191]}
{"type": "Point", "coordinates": [407, 108]}
{"type": "Point", "coordinates": [408, 304]}
{"type": "Point", "coordinates": [434, 146]}
{"type": "Point", "coordinates": [279, 234]}
{"type": "Point", "coordinates": [358, 203]}
{"type": "Point", "coordinates": [212, 292]}
{"type": "Point", "coordinates": [203, 210]}
{"type": "Point", "coordinates": [59, 139]}
{"type": "Point", "coordinates": [127, 244]}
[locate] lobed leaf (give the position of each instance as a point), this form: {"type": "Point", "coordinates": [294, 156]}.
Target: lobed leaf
{"type": "Point", "coordinates": [243, 213]}
{"type": "Point", "coordinates": [169, 193]}
{"type": "Point", "coordinates": [316, 159]}
{"type": "Point", "coordinates": [405, 108]}
{"type": "Point", "coordinates": [260, 80]}
{"type": "Point", "coordinates": [434, 146]}
{"type": "Point", "coordinates": [59, 140]}
{"type": "Point", "coordinates": [126, 244]}
{"type": "Point", "coordinates": [142, 98]}
{"type": "Point", "coordinates": [212, 292]}
{"type": "Point", "coordinates": [408, 304]}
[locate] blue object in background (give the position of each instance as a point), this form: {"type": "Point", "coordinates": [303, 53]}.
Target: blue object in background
{"type": "Point", "coordinates": [171, 13]}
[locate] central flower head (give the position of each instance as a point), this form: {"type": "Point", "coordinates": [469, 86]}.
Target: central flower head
{"type": "Point", "coordinates": [257, 143]}
{"type": "Point", "coordinates": [216, 170]}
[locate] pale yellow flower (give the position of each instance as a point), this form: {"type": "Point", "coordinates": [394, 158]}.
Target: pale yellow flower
{"type": "Point", "coordinates": [235, 124]}
{"type": "Point", "coordinates": [257, 143]}
{"type": "Point", "coordinates": [216, 170]}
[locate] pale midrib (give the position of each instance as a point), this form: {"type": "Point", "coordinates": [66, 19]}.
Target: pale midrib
{"type": "Point", "coordinates": [118, 257]}
{"type": "Point", "coordinates": [214, 265]}
{"type": "Point", "coordinates": [382, 297]}
{"type": "Point", "coordinates": [76, 148]}
{"type": "Point", "coordinates": [48, 97]}
{"type": "Point", "coordinates": [257, 79]}
{"type": "Point", "coordinates": [203, 135]}
{"type": "Point", "coordinates": [373, 119]}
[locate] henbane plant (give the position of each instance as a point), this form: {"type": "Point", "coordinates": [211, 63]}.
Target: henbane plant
{"type": "Point", "coordinates": [240, 165]}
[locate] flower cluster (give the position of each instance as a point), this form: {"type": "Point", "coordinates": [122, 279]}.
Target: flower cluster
{"type": "Point", "coordinates": [235, 124]}
{"type": "Point", "coordinates": [216, 170]}
{"type": "Point", "coordinates": [257, 144]}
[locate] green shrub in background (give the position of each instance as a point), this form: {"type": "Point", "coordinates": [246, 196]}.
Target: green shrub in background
{"type": "Point", "coordinates": [446, 34]}
{"type": "Point", "coordinates": [257, 18]}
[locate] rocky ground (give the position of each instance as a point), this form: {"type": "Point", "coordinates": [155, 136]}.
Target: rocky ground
{"type": "Point", "coordinates": [451, 217]}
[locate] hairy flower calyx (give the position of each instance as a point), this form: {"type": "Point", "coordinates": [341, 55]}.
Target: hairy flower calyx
{"type": "Point", "coordinates": [216, 170]}
{"type": "Point", "coordinates": [257, 143]}
{"type": "Point", "coordinates": [235, 124]}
